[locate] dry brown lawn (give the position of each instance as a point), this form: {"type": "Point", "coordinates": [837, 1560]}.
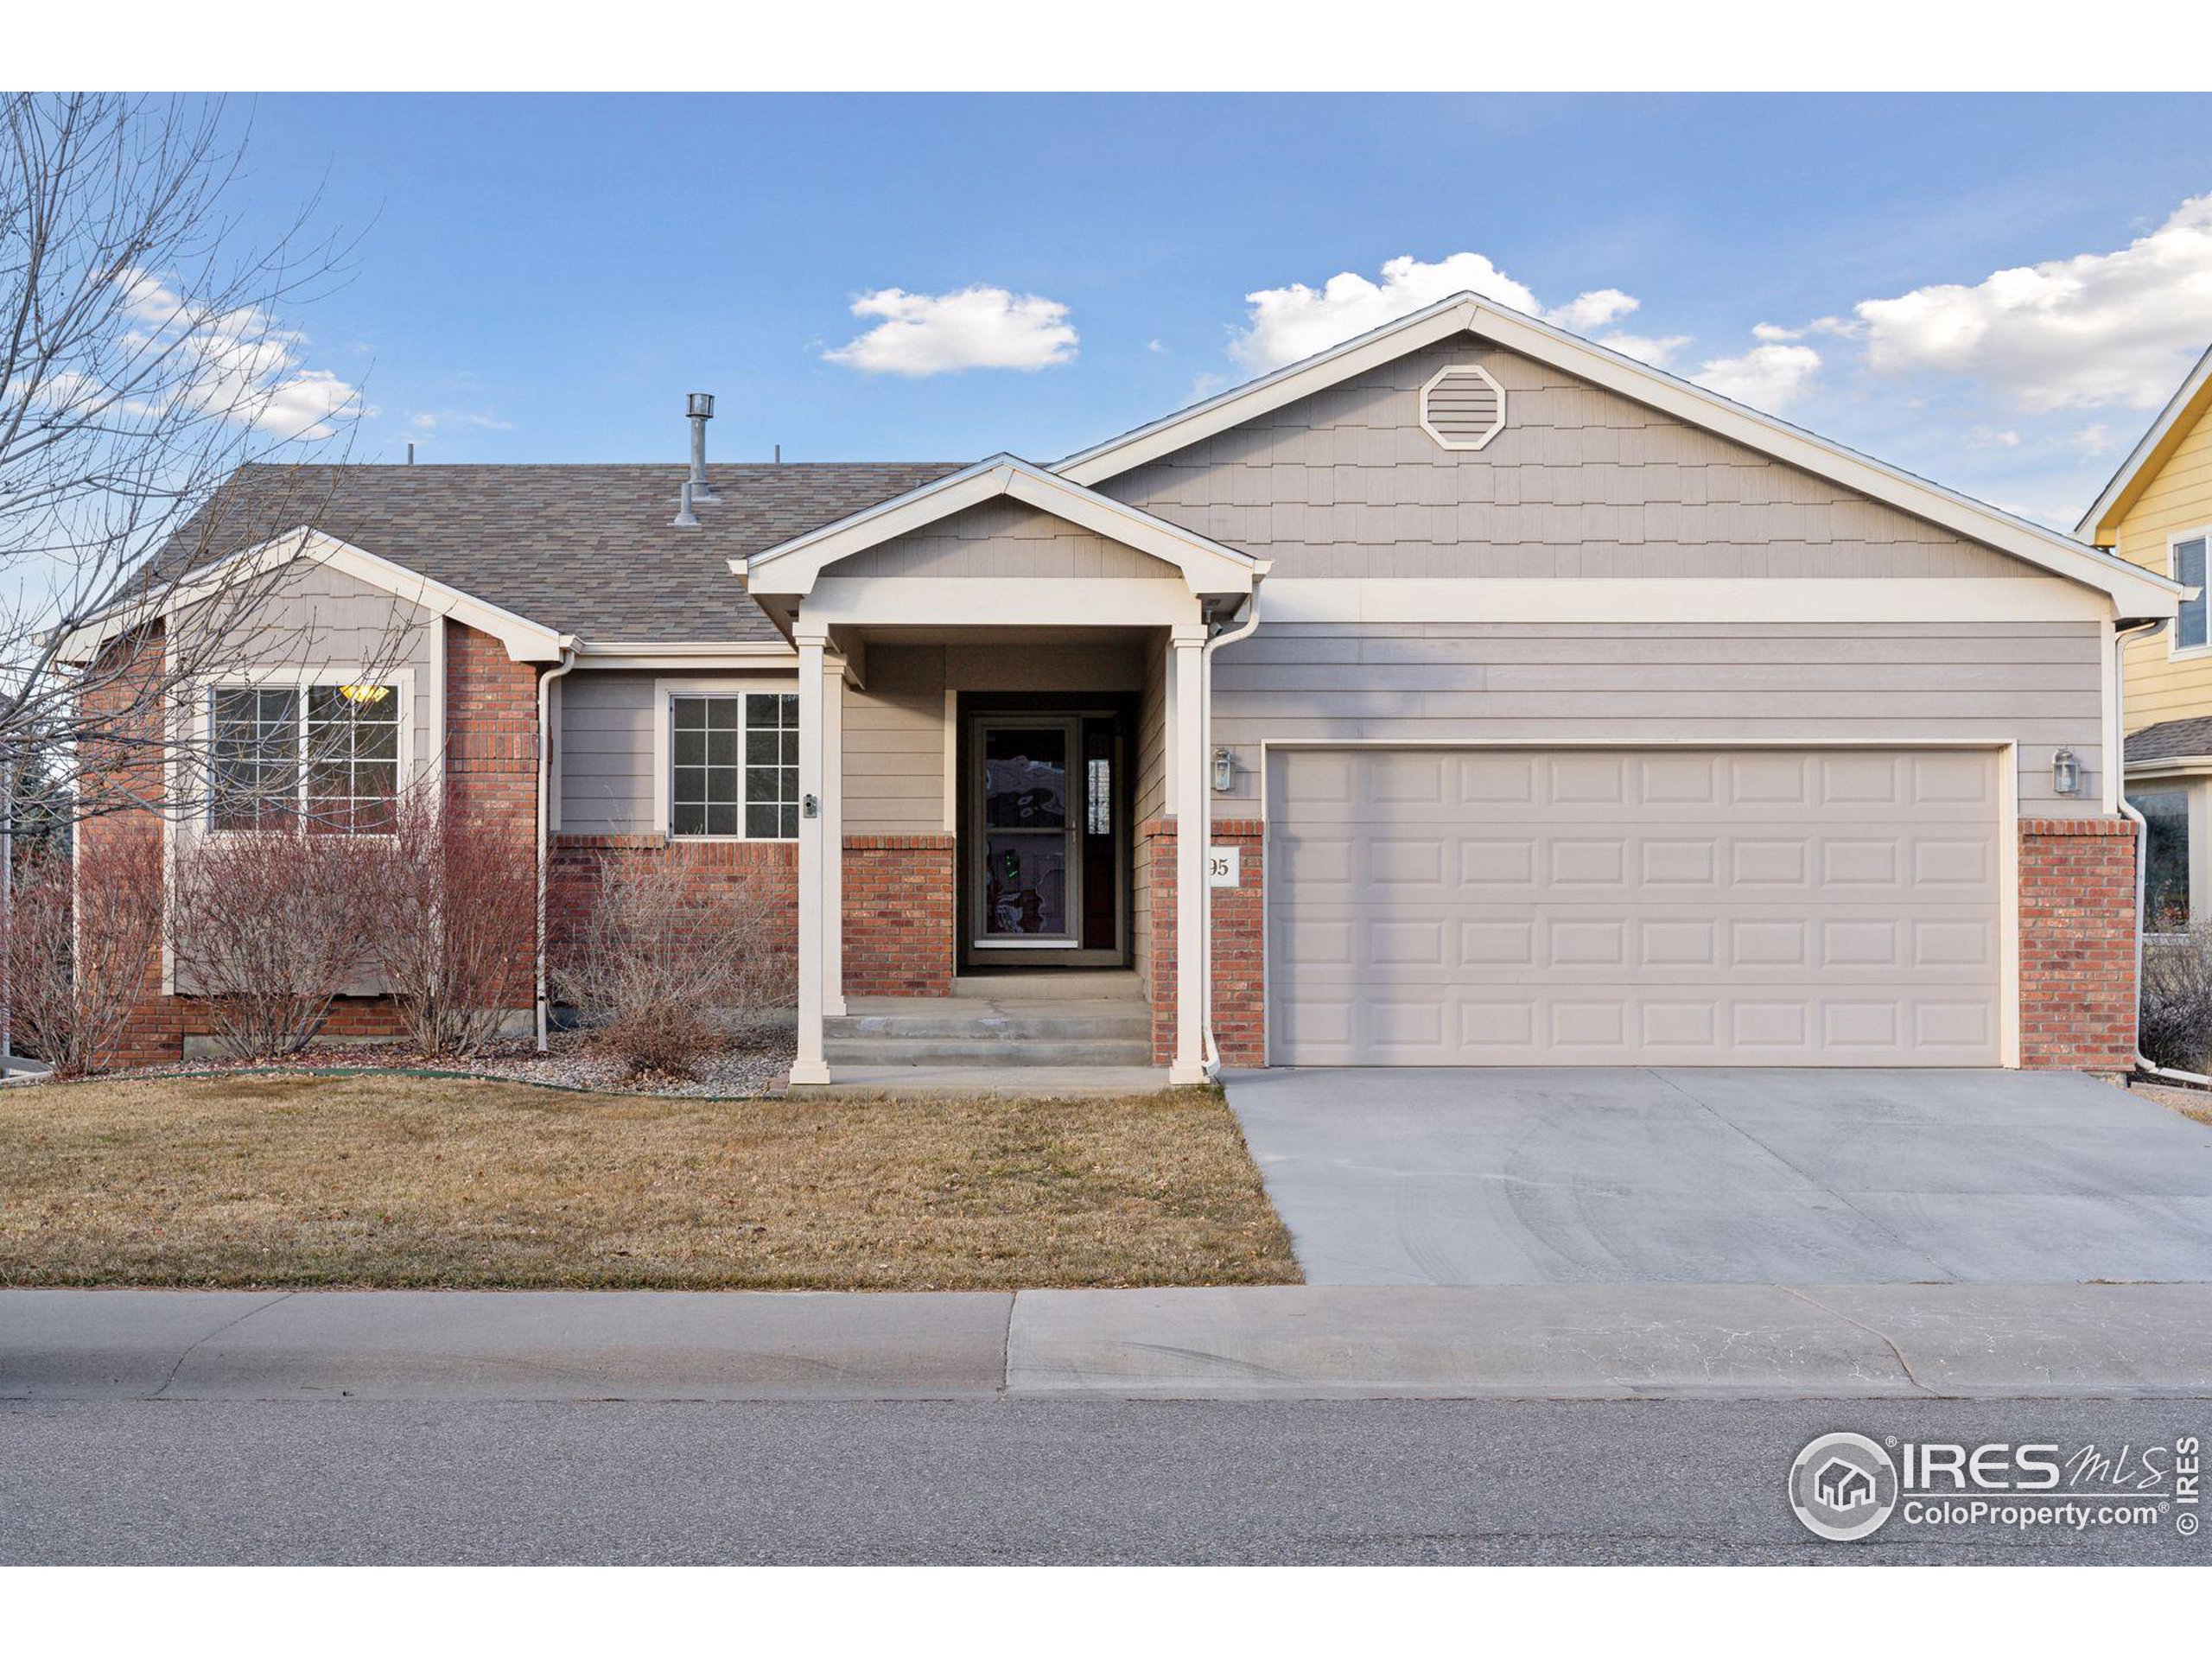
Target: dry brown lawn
{"type": "Point", "coordinates": [405, 1181]}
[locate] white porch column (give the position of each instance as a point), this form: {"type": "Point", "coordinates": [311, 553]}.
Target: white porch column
{"type": "Point", "coordinates": [833, 833]}
{"type": "Point", "coordinates": [813, 744]}
{"type": "Point", "coordinates": [1187, 763]}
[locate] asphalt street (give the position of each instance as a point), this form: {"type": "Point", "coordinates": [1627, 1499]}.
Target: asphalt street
{"type": "Point", "coordinates": [1004, 1481]}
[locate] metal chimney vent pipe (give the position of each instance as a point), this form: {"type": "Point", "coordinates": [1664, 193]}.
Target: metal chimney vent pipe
{"type": "Point", "coordinates": [685, 518]}
{"type": "Point", "coordinates": [699, 409]}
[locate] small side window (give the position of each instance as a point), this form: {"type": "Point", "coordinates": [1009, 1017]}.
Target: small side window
{"type": "Point", "coordinates": [2165, 859]}
{"type": "Point", "coordinates": [2188, 570]}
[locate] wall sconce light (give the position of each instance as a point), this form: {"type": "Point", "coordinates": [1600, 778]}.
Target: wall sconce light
{"type": "Point", "coordinates": [2065, 773]}
{"type": "Point", "coordinates": [1224, 771]}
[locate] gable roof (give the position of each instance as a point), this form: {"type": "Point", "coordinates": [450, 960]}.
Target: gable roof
{"type": "Point", "coordinates": [577, 549]}
{"type": "Point", "coordinates": [791, 566]}
{"type": "Point", "coordinates": [2175, 422]}
{"type": "Point", "coordinates": [2135, 592]}
{"type": "Point", "coordinates": [525, 641]}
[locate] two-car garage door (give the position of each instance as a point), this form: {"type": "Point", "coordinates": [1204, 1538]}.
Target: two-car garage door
{"type": "Point", "coordinates": [1446, 906]}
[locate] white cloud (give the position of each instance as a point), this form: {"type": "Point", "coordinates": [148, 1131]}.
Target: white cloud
{"type": "Point", "coordinates": [1285, 324]}
{"type": "Point", "coordinates": [239, 364]}
{"type": "Point", "coordinates": [2094, 439]}
{"type": "Point", "coordinates": [977, 328]}
{"type": "Point", "coordinates": [1154, 345]}
{"type": "Point", "coordinates": [1769, 376]}
{"type": "Point", "coordinates": [1775, 333]}
{"type": "Point", "coordinates": [1585, 314]}
{"type": "Point", "coordinates": [2097, 329]}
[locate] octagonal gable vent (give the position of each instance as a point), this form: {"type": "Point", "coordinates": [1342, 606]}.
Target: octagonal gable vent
{"type": "Point", "coordinates": [1462, 407]}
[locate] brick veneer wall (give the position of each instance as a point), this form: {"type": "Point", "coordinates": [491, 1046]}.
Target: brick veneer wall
{"type": "Point", "coordinates": [765, 872]}
{"type": "Point", "coordinates": [489, 753]}
{"type": "Point", "coordinates": [1239, 969]}
{"type": "Point", "coordinates": [899, 915]}
{"type": "Point", "coordinates": [2077, 944]}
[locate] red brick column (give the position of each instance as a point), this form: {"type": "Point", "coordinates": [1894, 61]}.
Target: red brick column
{"type": "Point", "coordinates": [117, 773]}
{"type": "Point", "coordinates": [899, 915]}
{"type": "Point", "coordinates": [491, 735]}
{"type": "Point", "coordinates": [1239, 960]}
{"type": "Point", "coordinates": [2077, 944]}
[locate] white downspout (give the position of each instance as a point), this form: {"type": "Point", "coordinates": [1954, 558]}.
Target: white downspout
{"type": "Point", "coordinates": [2118, 739]}
{"type": "Point", "coordinates": [1205, 814]}
{"type": "Point", "coordinates": [544, 837]}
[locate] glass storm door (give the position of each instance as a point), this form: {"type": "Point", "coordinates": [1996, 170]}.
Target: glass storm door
{"type": "Point", "coordinates": [1028, 890]}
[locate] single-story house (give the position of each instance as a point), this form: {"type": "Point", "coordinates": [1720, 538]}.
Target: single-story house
{"type": "Point", "coordinates": [1467, 694]}
{"type": "Point", "coordinates": [2157, 513]}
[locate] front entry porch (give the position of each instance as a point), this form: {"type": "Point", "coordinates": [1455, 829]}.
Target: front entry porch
{"type": "Point", "coordinates": [1007, 579]}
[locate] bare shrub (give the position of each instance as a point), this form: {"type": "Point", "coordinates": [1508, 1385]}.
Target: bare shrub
{"type": "Point", "coordinates": [672, 962]}
{"type": "Point", "coordinates": [2177, 1014]}
{"type": "Point", "coordinates": [268, 928]}
{"type": "Point", "coordinates": [453, 936]}
{"type": "Point", "coordinates": [78, 963]}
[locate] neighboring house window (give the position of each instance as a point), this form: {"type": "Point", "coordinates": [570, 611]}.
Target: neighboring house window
{"type": "Point", "coordinates": [2188, 570]}
{"type": "Point", "coordinates": [734, 765]}
{"type": "Point", "coordinates": [322, 757]}
{"type": "Point", "coordinates": [2165, 859]}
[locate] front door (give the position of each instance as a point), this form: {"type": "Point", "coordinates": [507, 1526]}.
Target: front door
{"type": "Point", "coordinates": [1045, 860]}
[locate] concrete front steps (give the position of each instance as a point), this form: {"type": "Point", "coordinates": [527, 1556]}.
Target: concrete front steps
{"type": "Point", "coordinates": [1046, 1018]}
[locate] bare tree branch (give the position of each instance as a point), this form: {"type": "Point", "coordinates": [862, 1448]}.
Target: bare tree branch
{"type": "Point", "coordinates": [155, 416]}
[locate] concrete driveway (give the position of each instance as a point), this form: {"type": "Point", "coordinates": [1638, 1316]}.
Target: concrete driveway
{"type": "Point", "coordinates": [1722, 1176]}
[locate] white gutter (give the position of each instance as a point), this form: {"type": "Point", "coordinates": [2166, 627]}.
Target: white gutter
{"type": "Point", "coordinates": [542, 998]}
{"type": "Point", "coordinates": [2118, 738]}
{"type": "Point", "coordinates": [1205, 815]}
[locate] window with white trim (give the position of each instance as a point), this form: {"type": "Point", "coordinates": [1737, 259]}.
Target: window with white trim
{"type": "Point", "coordinates": [323, 757]}
{"type": "Point", "coordinates": [733, 766]}
{"type": "Point", "coordinates": [2188, 570]}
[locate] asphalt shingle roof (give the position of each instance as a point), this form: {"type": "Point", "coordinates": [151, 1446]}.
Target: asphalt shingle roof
{"type": "Point", "coordinates": [2171, 739]}
{"type": "Point", "coordinates": [584, 550]}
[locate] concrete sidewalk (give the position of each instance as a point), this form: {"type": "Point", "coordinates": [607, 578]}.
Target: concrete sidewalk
{"type": "Point", "coordinates": [1288, 1342]}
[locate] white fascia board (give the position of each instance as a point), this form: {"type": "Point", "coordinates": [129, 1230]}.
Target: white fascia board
{"type": "Point", "coordinates": [793, 567]}
{"type": "Point", "coordinates": [525, 641]}
{"type": "Point", "coordinates": [618, 653]}
{"type": "Point", "coordinates": [2169, 766]}
{"type": "Point", "coordinates": [2134, 591]}
{"type": "Point", "coordinates": [958, 601]}
{"type": "Point", "coordinates": [1782, 599]}
{"type": "Point", "coordinates": [2123, 481]}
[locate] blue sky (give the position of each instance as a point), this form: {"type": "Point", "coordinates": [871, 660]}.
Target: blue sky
{"type": "Point", "coordinates": [542, 278]}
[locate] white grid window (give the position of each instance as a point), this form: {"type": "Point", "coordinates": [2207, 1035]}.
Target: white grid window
{"type": "Point", "coordinates": [325, 758]}
{"type": "Point", "coordinates": [733, 766]}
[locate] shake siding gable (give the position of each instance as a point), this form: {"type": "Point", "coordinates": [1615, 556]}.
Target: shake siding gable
{"type": "Point", "coordinates": [1582, 482]}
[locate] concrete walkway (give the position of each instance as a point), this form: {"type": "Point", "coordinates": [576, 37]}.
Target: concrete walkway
{"type": "Point", "coordinates": [1704, 1176]}
{"type": "Point", "coordinates": [1290, 1342]}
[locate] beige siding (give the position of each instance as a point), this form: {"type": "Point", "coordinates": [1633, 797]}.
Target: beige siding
{"type": "Point", "coordinates": [604, 747]}
{"type": "Point", "coordinates": [1001, 538]}
{"type": "Point", "coordinates": [894, 744]}
{"type": "Point", "coordinates": [2161, 686]}
{"type": "Point", "coordinates": [2035, 683]}
{"type": "Point", "coordinates": [330, 627]}
{"type": "Point", "coordinates": [894, 728]}
{"type": "Point", "coordinates": [1582, 482]}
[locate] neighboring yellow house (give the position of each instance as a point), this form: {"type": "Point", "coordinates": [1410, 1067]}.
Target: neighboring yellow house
{"type": "Point", "coordinates": [2157, 513]}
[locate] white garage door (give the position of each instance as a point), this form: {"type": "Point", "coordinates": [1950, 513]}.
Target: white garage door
{"type": "Point", "coordinates": [1582, 907]}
